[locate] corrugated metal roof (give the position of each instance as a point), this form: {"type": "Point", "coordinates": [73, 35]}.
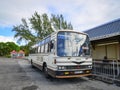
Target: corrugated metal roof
{"type": "Point", "coordinates": [104, 31]}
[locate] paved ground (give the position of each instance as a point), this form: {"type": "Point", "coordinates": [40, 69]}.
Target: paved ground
{"type": "Point", "coordinates": [17, 74]}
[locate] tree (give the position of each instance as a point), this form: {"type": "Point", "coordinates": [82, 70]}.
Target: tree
{"type": "Point", "coordinates": [2, 48]}
{"type": "Point", "coordinates": [22, 32]}
{"type": "Point", "coordinates": [59, 23]}
{"type": "Point", "coordinates": [12, 46]}
{"type": "Point", "coordinates": [6, 48]}
{"type": "Point", "coordinates": [42, 25]}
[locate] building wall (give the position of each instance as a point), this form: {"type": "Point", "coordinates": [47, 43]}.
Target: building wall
{"type": "Point", "coordinates": [109, 50]}
{"type": "Point", "coordinates": [118, 51]}
{"type": "Point", "coordinates": [112, 51]}
{"type": "Point", "coordinates": [98, 52]}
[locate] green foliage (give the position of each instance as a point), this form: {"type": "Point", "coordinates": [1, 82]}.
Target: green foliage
{"type": "Point", "coordinates": [22, 32]}
{"type": "Point", "coordinates": [6, 48]}
{"type": "Point", "coordinates": [41, 25]}
{"type": "Point", "coordinates": [2, 48]}
{"type": "Point", "coordinates": [59, 23]}
{"type": "Point", "coordinates": [8, 56]}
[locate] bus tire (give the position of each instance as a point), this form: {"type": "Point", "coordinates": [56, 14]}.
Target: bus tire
{"type": "Point", "coordinates": [32, 64]}
{"type": "Point", "coordinates": [46, 71]}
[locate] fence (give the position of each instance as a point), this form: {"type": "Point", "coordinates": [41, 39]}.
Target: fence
{"type": "Point", "coordinates": [107, 70]}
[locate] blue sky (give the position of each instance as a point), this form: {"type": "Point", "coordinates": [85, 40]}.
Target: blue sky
{"type": "Point", "coordinates": [83, 14]}
{"type": "Point", "coordinates": [6, 31]}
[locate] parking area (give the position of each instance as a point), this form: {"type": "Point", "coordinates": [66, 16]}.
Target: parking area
{"type": "Point", "coordinates": [17, 74]}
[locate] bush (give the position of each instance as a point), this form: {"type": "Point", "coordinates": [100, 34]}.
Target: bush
{"type": "Point", "coordinates": [8, 56]}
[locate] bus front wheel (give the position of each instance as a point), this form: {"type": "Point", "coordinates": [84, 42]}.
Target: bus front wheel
{"type": "Point", "coordinates": [46, 71]}
{"type": "Point", "coordinates": [32, 64]}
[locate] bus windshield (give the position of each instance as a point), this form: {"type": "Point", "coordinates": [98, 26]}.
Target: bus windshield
{"type": "Point", "coordinates": [72, 44]}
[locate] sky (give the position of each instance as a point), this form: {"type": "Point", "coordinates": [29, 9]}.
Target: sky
{"type": "Point", "coordinates": [83, 14]}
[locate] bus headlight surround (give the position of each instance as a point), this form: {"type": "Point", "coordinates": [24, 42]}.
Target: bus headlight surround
{"type": "Point", "coordinates": [61, 67]}
{"type": "Point", "coordinates": [89, 66]}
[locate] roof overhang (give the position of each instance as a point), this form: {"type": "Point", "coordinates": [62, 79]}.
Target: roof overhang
{"type": "Point", "coordinates": [104, 36]}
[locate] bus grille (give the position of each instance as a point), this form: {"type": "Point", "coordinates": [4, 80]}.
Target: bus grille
{"type": "Point", "coordinates": [77, 67]}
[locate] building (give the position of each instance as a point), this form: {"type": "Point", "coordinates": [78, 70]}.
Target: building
{"type": "Point", "coordinates": [15, 54]}
{"type": "Point", "coordinates": [105, 40]}
{"type": "Point", "coordinates": [21, 54]}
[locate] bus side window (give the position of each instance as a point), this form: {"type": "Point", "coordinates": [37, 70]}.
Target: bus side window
{"type": "Point", "coordinates": [42, 48]}
{"type": "Point", "coordinates": [51, 46]}
{"type": "Point", "coordinates": [39, 49]}
{"type": "Point", "coordinates": [33, 50]}
{"type": "Point", "coordinates": [46, 48]}
{"type": "Point", "coordinates": [36, 50]}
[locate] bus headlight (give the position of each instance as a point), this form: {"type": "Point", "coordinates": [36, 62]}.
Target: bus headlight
{"type": "Point", "coordinates": [61, 67]}
{"type": "Point", "coordinates": [89, 66]}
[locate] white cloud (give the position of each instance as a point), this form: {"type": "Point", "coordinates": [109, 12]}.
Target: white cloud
{"type": "Point", "coordinates": [12, 39]}
{"type": "Point", "coordinates": [83, 14]}
{"type": "Point", "coordinates": [12, 11]}
{"type": "Point", "coordinates": [7, 39]}
{"type": "Point", "coordinates": [86, 14]}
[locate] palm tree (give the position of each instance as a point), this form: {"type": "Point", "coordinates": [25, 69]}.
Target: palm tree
{"type": "Point", "coordinates": [41, 25]}
{"type": "Point", "coordinates": [59, 23]}
{"type": "Point", "coordinates": [22, 32]}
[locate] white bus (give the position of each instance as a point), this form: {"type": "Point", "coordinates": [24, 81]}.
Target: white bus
{"type": "Point", "coordinates": [63, 54]}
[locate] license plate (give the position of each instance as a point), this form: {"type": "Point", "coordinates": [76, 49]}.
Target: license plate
{"type": "Point", "coordinates": [66, 73]}
{"type": "Point", "coordinates": [77, 72]}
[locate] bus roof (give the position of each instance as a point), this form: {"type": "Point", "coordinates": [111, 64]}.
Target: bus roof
{"type": "Point", "coordinates": [46, 39]}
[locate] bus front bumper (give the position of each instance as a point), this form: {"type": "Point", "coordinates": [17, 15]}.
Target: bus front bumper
{"type": "Point", "coordinates": [73, 76]}
{"type": "Point", "coordinates": [70, 74]}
